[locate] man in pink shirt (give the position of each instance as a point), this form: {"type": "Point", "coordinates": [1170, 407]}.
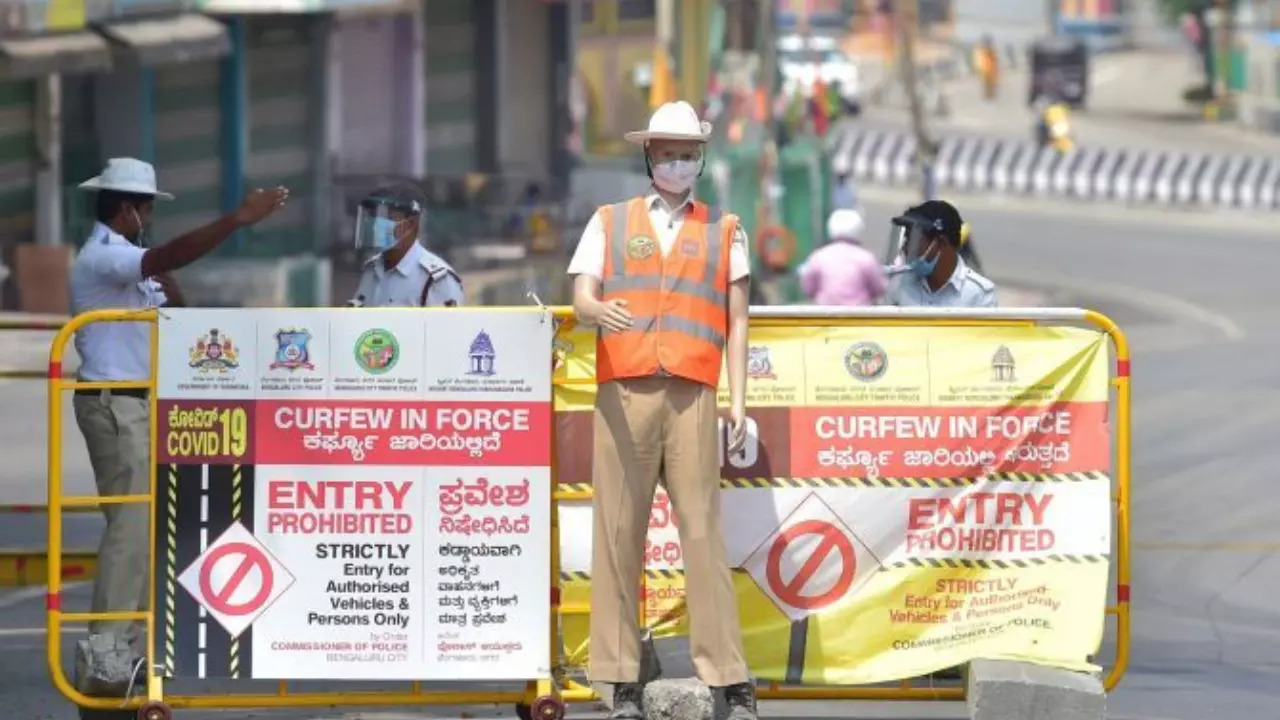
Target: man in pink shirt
{"type": "Point", "coordinates": [843, 272]}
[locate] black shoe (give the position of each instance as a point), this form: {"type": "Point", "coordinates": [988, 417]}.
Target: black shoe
{"type": "Point", "coordinates": [628, 699]}
{"type": "Point", "coordinates": [741, 699]}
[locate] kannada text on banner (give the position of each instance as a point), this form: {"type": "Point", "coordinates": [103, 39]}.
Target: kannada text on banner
{"type": "Point", "coordinates": [354, 493]}
{"type": "Point", "coordinates": [908, 499]}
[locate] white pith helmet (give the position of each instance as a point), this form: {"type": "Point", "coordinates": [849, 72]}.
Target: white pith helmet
{"type": "Point", "coordinates": [673, 121]}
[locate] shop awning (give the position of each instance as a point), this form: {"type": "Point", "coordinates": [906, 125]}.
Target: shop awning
{"type": "Point", "coordinates": [76, 52]}
{"type": "Point", "coordinates": [180, 38]}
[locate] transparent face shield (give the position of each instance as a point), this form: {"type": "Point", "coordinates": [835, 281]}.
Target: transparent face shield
{"type": "Point", "coordinates": [909, 244]}
{"type": "Point", "coordinates": [381, 227]}
{"type": "Point", "coordinates": [914, 243]}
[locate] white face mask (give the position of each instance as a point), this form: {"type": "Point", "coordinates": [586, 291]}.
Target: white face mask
{"type": "Point", "coordinates": [676, 176]}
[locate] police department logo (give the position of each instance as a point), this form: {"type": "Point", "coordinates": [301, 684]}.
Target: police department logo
{"type": "Point", "coordinates": [214, 353]}
{"type": "Point", "coordinates": [866, 361]}
{"type": "Point", "coordinates": [292, 352]}
{"type": "Point", "coordinates": [640, 247]}
{"type": "Point", "coordinates": [759, 367]}
{"type": "Point", "coordinates": [377, 351]}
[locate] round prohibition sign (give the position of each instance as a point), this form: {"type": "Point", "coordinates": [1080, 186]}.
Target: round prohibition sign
{"type": "Point", "coordinates": [219, 600]}
{"type": "Point", "coordinates": [795, 591]}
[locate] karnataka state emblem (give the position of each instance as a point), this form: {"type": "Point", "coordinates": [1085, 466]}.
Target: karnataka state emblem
{"type": "Point", "coordinates": [292, 352]}
{"type": "Point", "coordinates": [640, 247]}
{"type": "Point", "coordinates": [759, 366]}
{"type": "Point", "coordinates": [377, 351]}
{"type": "Point", "coordinates": [866, 361]}
{"type": "Point", "coordinates": [214, 353]}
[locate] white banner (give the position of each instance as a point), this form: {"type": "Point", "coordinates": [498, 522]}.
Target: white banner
{"type": "Point", "coordinates": [355, 493]}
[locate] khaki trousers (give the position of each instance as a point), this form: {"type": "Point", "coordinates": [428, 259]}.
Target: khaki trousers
{"type": "Point", "coordinates": [117, 432]}
{"type": "Point", "coordinates": [644, 428]}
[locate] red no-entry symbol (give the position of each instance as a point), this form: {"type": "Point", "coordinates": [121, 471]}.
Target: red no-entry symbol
{"type": "Point", "coordinates": [797, 591]}
{"type": "Point", "coordinates": [219, 599]}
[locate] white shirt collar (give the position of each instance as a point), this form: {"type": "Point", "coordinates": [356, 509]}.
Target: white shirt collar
{"type": "Point", "coordinates": [653, 198]}
{"type": "Point", "coordinates": [956, 280]}
{"type": "Point", "coordinates": [101, 232]}
{"type": "Point", "coordinates": [405, 266]}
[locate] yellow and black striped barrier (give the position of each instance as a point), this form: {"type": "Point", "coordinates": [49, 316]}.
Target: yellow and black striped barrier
{"type": "Point", "coordinates": [876, 482]}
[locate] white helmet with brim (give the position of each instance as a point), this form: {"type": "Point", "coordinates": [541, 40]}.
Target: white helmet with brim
{"type": "Point", "coordinates": [673, 121]}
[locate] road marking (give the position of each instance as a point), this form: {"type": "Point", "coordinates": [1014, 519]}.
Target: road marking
{"type": "Point", "coordinates": [1156, 303]}
{"type": "Point", "coordinates": [25, 595]}
{"type": "Point", "coordinates": [18, 597]}
{"type": "Point", "coordinates": [1225, 546]}
{"type": "Point", "coordinates": [1104, 74]}
{"type": "Point", "coordinates": [1250, 225]}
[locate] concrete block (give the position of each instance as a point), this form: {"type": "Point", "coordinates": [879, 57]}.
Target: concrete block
{"type": "Point", "coordinates": [1005, 690]}
{"type": "Point", "coordinates": [650, 670]}
{"type": "Point", "coordinates": [678, 699]}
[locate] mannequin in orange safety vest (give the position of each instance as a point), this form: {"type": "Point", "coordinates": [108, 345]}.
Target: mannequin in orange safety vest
{"type": "Point", "coordinates": [666, 279]}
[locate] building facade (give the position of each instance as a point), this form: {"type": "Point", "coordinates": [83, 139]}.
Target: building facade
{"type": "Point", "coordinates": [75, 75]}
{"type": "Point", "coordinates": [615, 41]}
{"type": "Point", "coordinates": [304, 93]}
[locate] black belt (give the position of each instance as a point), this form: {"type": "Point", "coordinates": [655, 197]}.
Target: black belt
{"type": "Point", "coordinates": [140, 393]}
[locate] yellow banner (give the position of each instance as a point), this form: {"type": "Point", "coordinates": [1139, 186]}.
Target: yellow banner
{"type": "Point", "coordinates": [900, 625]}
{"type": "Point", "coordinates": [908, 499]}
{"type": "Point", "coordinates": [890, 367]}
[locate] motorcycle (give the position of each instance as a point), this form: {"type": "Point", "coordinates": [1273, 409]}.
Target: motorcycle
{"type": "Point", "coordinates": [1053, 127]}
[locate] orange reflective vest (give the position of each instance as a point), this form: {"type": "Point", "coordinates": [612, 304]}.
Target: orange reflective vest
{"type": "Point", "coordinates": [680, 303]}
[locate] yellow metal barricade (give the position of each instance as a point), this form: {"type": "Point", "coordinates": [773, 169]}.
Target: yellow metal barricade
{"type": "Point", "coordinates": [538, 699]}
{"type": "Point", "coordinates": [25, 566]}
{"type": "Point", "coordinates": [544, 699]}
{"type": "Point", "coordinates": [799, 317]}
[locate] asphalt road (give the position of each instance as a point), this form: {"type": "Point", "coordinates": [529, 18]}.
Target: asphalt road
{"type": "Point", "coordinates": [1135, 101]}
{"type": "Point", "coordinates": [1192, 290]}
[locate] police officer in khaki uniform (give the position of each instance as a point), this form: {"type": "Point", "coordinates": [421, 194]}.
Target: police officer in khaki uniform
{"type": "Point", "coordinates": [403, 273]}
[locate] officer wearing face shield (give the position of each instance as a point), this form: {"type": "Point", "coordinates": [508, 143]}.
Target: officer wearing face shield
{"type": "Point", "coordinates": [933, 273]}
{"type": "Point", "coordinates": [403, 273]}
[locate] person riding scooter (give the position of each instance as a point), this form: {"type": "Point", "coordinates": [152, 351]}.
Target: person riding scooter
{"type": "Point", "coordinates": [1053, 123]}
